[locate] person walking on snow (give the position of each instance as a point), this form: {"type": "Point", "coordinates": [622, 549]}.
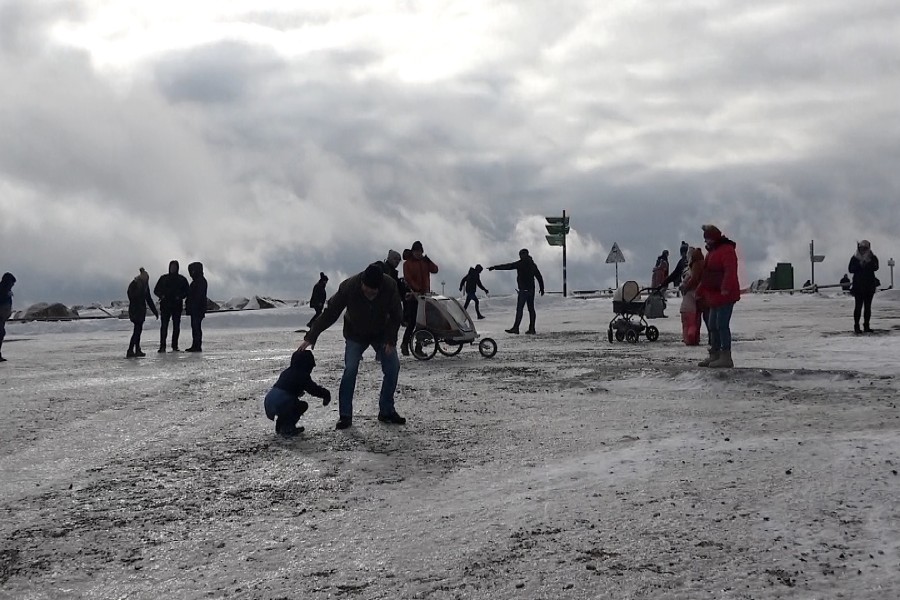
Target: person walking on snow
{"type": "Point", "coordinates": [171, 289]}
{"type": "Point", "coordinates": [417, 270]}
{"type": "Point", "coordinates": [6, 284]}
{"type": "Point", "coordinates": [139, 299]}
{"type": "Point", "coordinates": [472, 281]}
{"type": "Point", "coordinates": [719, 291]}
{"type": "Point", "coordinates": [317, 300]}
{"type": "Point", "coordinates": [863, 265]}
{"type": "Point", "coordinates": [372, 319]}
{"type": "Point", "coordinates": [196, 305]}
{"type": "Point", "coordinates": [526, 274]}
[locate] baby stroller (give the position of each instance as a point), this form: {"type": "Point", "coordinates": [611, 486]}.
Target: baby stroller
{"type": "Point", "coordinates": [629, 322]}
{"type": "Point", "coordinates": [443, 325]}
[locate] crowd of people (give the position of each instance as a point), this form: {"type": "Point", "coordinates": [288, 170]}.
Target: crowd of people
{"type": "Point", "coordinates": [378, 301]}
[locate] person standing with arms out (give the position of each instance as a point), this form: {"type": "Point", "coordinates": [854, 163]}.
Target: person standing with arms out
{"type": "Point", "coordinates": [719, 291]}
{"type": "Point", "coordinates": [863, 265]}
{"type": "Point", "coordinates": [139, 299]}
{"type": "Point", "coordinates": [171, 289]}
{"type": "Point", "coordinates": [472, 281]}
{"type": "Point", "coordinates": [196, 305]}
{"type": "Point", "coordinates": [526, 274]}
{"type": "Point", "coordinates": [372, 319]}
{"type": "Point", "coordinates": [6, 284]}
{"type": "Point", "coordinates": [317, 300]}
{"type": "Point", "coordinates": [417, 270]}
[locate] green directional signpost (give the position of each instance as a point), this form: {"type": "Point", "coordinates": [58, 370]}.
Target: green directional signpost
{"type": "Point", "coordinates": [558, 228]}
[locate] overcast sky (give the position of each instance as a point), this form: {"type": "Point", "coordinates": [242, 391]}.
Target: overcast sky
{"type": "Point", "coordinates": [272, 140]}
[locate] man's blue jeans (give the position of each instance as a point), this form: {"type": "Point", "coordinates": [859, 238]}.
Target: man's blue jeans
{"type": "Point", "coordinates": [526, 298]}
{"type": "Point", "coordinates": [390, 366]}
{"type": "Point", "coordinates": [719, 326]}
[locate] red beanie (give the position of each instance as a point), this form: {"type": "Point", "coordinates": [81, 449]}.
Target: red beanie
{"type": "Point", "coordinates": [711, 233]}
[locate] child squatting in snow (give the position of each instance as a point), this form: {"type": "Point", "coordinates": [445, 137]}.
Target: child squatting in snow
{"type": "Point", "coordinates": [283, 404]}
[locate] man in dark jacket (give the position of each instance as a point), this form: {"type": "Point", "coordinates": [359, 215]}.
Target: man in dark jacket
{"type": "Point", "coordinates": [139, 300]}
{"type": "Point", "coordinates": [526, 274]}
{"type": "Point", "coordinates": [196, 305]}
{"type": "Point", "coordinates": [863, 265]}
{"type": "Point", "coordinates": [6, 284]}
{"type": "Point", "coordinates": [317, 300]}
{"type": "Point", "coordinates": [171, 289]}
{"type": "Point", "coordinates": [675, 276]}
{"type": "Point", "coordinates": [372, 318]}
{"type": "Point", "coordinates": [472, 281]}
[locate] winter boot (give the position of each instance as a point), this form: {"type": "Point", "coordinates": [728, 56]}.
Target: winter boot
{"type": "Point", "coordinates": [866, 328]}
{"type": "Point", "coordinates": [130, 353]}
{"type": "Point", "coordinates": [856, 329]}
{"type": "Point", "coordinates": [404, 349]}
{"type": "Point", "coordinates": [713, 355]}
{"type": "Point", "coordinates": [723, 362]}
{"type": "Point", "coordinates": [513, 330]}
{"type": "Point", "coordinates": [2, 359]}
{"type": "Point", "coordinates": [138, 352]}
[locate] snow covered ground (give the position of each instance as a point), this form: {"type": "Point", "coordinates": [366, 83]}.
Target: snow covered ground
{"type": "Point", "coordinates": [565, 467]}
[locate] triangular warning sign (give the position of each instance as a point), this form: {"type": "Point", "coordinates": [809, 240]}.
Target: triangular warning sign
{"type": "Point", "coordinates": [615, 255]}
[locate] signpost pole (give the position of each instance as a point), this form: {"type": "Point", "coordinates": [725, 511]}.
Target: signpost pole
{"type": "Point", "coordinates": [565, 220]}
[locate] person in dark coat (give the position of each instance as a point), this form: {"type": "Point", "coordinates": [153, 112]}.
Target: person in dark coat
{"type": "Point", "coordinates": [845, 283]}
{"type": "Point", "coordinates": [526, 274]}
{"type": "Point", "coordinates": [372, 318]}
{"type": "Point", "coordinates": [863, 265]}
{"type": "Point", "coordinates": [317, 300]}
{"type": "Point", "coordinates": [676, 275]}
{"type": "Point", "coordinates": [283, 404]}
{"type": "Point", "coordinates": [6, 284]}
{"type": "Point", "coordinates": [196, 305]}
{"type": "Point", "coordinates": [390, 266]}
{"type": "Point", "coordinates": [171, 289]}
{"type": "Point", "coordinates": [139, 299]}
{"type": "Point", "coordinates": [472, 281]}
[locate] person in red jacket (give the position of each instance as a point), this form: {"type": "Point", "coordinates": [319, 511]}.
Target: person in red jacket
{"type": "Point", "coordinates": [417, 270]}
{"type": "Point", "coordinates": [718, 292]}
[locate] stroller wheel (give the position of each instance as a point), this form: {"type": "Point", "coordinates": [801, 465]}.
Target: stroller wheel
{"type": "Point", "coordinates": [631, 336]}
{"type": "Point", "coordinates": [423, 345]}
{"type": "Point", "coordinates": [487, 347]}
{"type": "Point", "coordinates": [652, 333]}
{"type": "Point", "coordinates": [620, 335]}
{"type": "Point", "coordinates": [609, 334]}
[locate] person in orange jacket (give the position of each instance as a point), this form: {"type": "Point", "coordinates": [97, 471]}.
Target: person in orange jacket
{"type": "Point", "coordinates": [417, 270]}
{"type": "Point", "coordinates": [718, 292]}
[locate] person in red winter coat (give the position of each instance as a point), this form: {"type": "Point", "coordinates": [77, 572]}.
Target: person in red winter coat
{"type": "Point", "coordinates": [718, 292]}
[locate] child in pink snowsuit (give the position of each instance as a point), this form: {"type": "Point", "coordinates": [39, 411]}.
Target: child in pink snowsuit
{"type": "Point", "coordinates": [690, 311]}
